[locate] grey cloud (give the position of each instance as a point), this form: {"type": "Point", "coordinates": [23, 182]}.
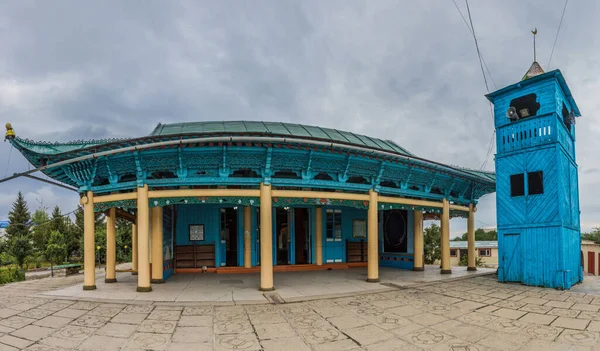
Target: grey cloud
{"type": "Point", "coordinates": [399, 70]}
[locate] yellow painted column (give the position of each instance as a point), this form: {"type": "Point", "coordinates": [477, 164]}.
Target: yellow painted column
{"type": "Point", "coordinates": [111, 247]}
{"type": "Point", "coordinates": [89, 246]}
{"type": "Point", "coordinates": [247, 237]}
{"type": "Point", "coordinates": [157, 245]}
{"type": "Point", "coordinates": [445, 237]}
{"type": "Point", "coordinates": [143, 217]}
{"type": "Point", "coordinates": [418, 241]}
{"type": "Point", "coordinates": [134, 248]}
{"type": "Point", "coordinates": [471, 239]}
{"type": "Point", "coordinates": [373, 239]}
{"type": "Point", "coordinates": [319, 235]}
{"type": "Point", "coordinates": [266, 239]}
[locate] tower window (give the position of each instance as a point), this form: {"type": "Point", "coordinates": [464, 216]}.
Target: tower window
{"type": "Point", "coordinates": [566, 117]}
{"type": "Point", "coordinates": [517, 185]}
{"type": "Point", "coordinates": [535, 182]}
{"type": "Point", "coordinates": [526, 106]}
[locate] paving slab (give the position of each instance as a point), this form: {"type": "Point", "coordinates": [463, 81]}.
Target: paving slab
{"type": "Point", "coordinates": [119, 330]}
{"type": "Point", "coordinates": [570, 323]}
{"type": "Point", "coordinates": [537, 318]}
{"type": "Point", "coordinates": [32, 332]}
{"type": "Point", "coordinates": [53, 322]}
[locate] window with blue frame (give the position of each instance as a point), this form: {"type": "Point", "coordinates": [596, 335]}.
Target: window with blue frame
{"type": "Point", "coordinates": [334, 225]}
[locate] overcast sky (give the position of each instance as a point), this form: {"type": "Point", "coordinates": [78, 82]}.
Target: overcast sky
{"type": "Point", "coordinates": [401, 70]}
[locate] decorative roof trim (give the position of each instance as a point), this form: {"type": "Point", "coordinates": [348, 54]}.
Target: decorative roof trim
{"type": "Point", "coordinates": [481, 176]}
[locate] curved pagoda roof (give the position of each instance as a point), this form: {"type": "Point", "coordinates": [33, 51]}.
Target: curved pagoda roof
{"type": "Point", "coordinates": [207, 153]}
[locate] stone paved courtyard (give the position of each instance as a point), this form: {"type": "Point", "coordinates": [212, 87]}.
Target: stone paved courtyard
{"type": "Point", "coordinates": [476, 313]}
{"type": "Point", "coordinates": [243, 287]}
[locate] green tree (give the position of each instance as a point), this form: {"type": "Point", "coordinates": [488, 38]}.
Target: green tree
{"type": "Point", "coordinates": [480, 235]}
{"type": "Point", "coordinates": [431, 244]}
{"type": "Point", "coordinates": [123, 239]}
{"type": "Point", "coordinates": [56, 250]}
{"type": "Point", "coordinates": [40, 231]}
{"type": "Point", "coordinates": [5, 257]}
{"type": "Point", "coordinates": [75, 235]}
{"type": "Point", "coordinates": [17, 232]}
{"type": "Point", "coordinates": [594, 235]}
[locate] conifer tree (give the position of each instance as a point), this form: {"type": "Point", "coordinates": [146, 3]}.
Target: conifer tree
{"type": "Point", "coordinates": [17, 231]}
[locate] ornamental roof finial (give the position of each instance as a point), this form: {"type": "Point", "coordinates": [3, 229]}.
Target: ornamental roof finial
{"type": "Point", "coordinates": [10, 133]}
{"type": "Point", "coordinates": [535, 69]}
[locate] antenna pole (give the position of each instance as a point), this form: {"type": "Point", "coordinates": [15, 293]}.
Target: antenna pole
{"type": "Point", "coordinates": [534, 32]}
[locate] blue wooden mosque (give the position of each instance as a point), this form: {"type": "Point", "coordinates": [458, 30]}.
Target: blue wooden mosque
{"type": "Point", "coordinates": [249, 196]}
{"type": "Point", "coordinates": [255, 196]}
{"type": "Point", "coordinates": [536, 181]}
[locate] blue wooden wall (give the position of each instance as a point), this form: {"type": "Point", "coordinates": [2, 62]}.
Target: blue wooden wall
{"type": "Point", "coordinates": [333, 251]}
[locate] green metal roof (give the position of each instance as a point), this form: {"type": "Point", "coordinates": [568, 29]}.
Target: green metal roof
{"type": "Point", "coordinates": [278, 128]}
{"type": "Point", "coordinates": [40, 152]}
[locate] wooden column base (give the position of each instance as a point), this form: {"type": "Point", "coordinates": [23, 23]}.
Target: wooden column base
{"type": "Point", "coordinates": [266, 289]}
{"type": "Point", "coordinates": [110, 280]}
{"type": "Point", "coordinates": [418, 269]}
{"type": "Point", "coordinates": [372, 280]}
{"type": "Point", "coordinates": [471, 269]}
{"type": "Point", "coordinates": [89, 287]}
{"type": "Point", "coordinates": [144, 289]}
{"type": "Point", "coordinates": [134, 273]}
{"type": "Point", "coordinates": [446, 271]}
{"type": "Point", "coordinates": [157, 281]}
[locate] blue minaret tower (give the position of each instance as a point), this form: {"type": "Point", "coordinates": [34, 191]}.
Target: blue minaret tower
{"type": "Point", "coordinates": [537, 193]}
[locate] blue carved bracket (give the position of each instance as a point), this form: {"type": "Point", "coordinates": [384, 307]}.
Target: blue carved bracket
{"type": "Point", "coordinates": [404, 184]}
{"type": "Point", "coordinates": [308, 174]}
{"type": "Point", "coordinates": [67, 170]}
{"type": "Point", "coordinates": [113, 178]}
{"type": "Point", "coordinates": [430, 186]}
{"type": "Point", "coordinates": [449, 190]}
{"type": "Point", "coordinates": [267, 172]}
{"type": "Point", "coordinates": [342, 178]}
{"type": "Point", "coordinates": [462, 194]}
{"type": "Point", "coordinates": [377, 180]}
{"type": "Point", "coordinates": [224, 171]}
{"type": "Point", "coordinates": [181, 172]}
{"type": "Point", "coordinates": [140, 173]}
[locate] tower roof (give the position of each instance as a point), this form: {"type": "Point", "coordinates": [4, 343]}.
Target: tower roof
{"type": "Point", "coordinates": [534, 70]}
{"type": "Point", "coordinates": [555, 74]}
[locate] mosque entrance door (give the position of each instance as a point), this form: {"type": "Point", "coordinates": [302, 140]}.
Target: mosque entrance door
{"type": "Point", "coordinates": [229, 235]}
{"type": "Point", "coordinates": [302, 242]}
{"type": "Point", "coordinates": [282, 236]}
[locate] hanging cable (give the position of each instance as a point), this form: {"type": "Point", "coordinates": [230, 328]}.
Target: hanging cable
{"type": "Point", "coordinates": [473, 34]}
{"type": "Point", "coordinates": [482, 63]}
{"type": "Point", "coordinates": [489, 152]}
{"type": "Point", "coordinates": [477, 47]}
{"type": "Point", "coordinates": [8, 164]}
{"type": "Point", "coordinates": [557, 32]}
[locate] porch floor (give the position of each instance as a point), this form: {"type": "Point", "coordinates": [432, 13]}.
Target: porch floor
{"type": "Point", "coordinates": [243, 288]}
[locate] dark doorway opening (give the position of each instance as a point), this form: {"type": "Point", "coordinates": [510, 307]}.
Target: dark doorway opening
{"type": "Point", "coordinates": [395, 235]}
{"type": "Point", "coordinates": [282, 228]}
{"type": "Point", "coordinates": [302, 235]}
{"type": "Point", "coordinates": [229, 234]}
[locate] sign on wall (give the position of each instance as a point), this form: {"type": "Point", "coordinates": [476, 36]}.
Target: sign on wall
{"type": "Point", "coordinates": [359, 228]}
{"type": "Point", "coordinates": [196, 232]}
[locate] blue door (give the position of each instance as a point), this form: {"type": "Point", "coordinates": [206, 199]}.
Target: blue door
{"type": "Point", "coordinates": [511, 258]}
{"type": "Point", "coordinates": [333, 245]}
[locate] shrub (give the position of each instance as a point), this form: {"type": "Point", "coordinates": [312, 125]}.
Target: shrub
{"type": "Point", "coordinates": [464, 261]}
{"type": "Point", "coordinates": [11, 274]}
